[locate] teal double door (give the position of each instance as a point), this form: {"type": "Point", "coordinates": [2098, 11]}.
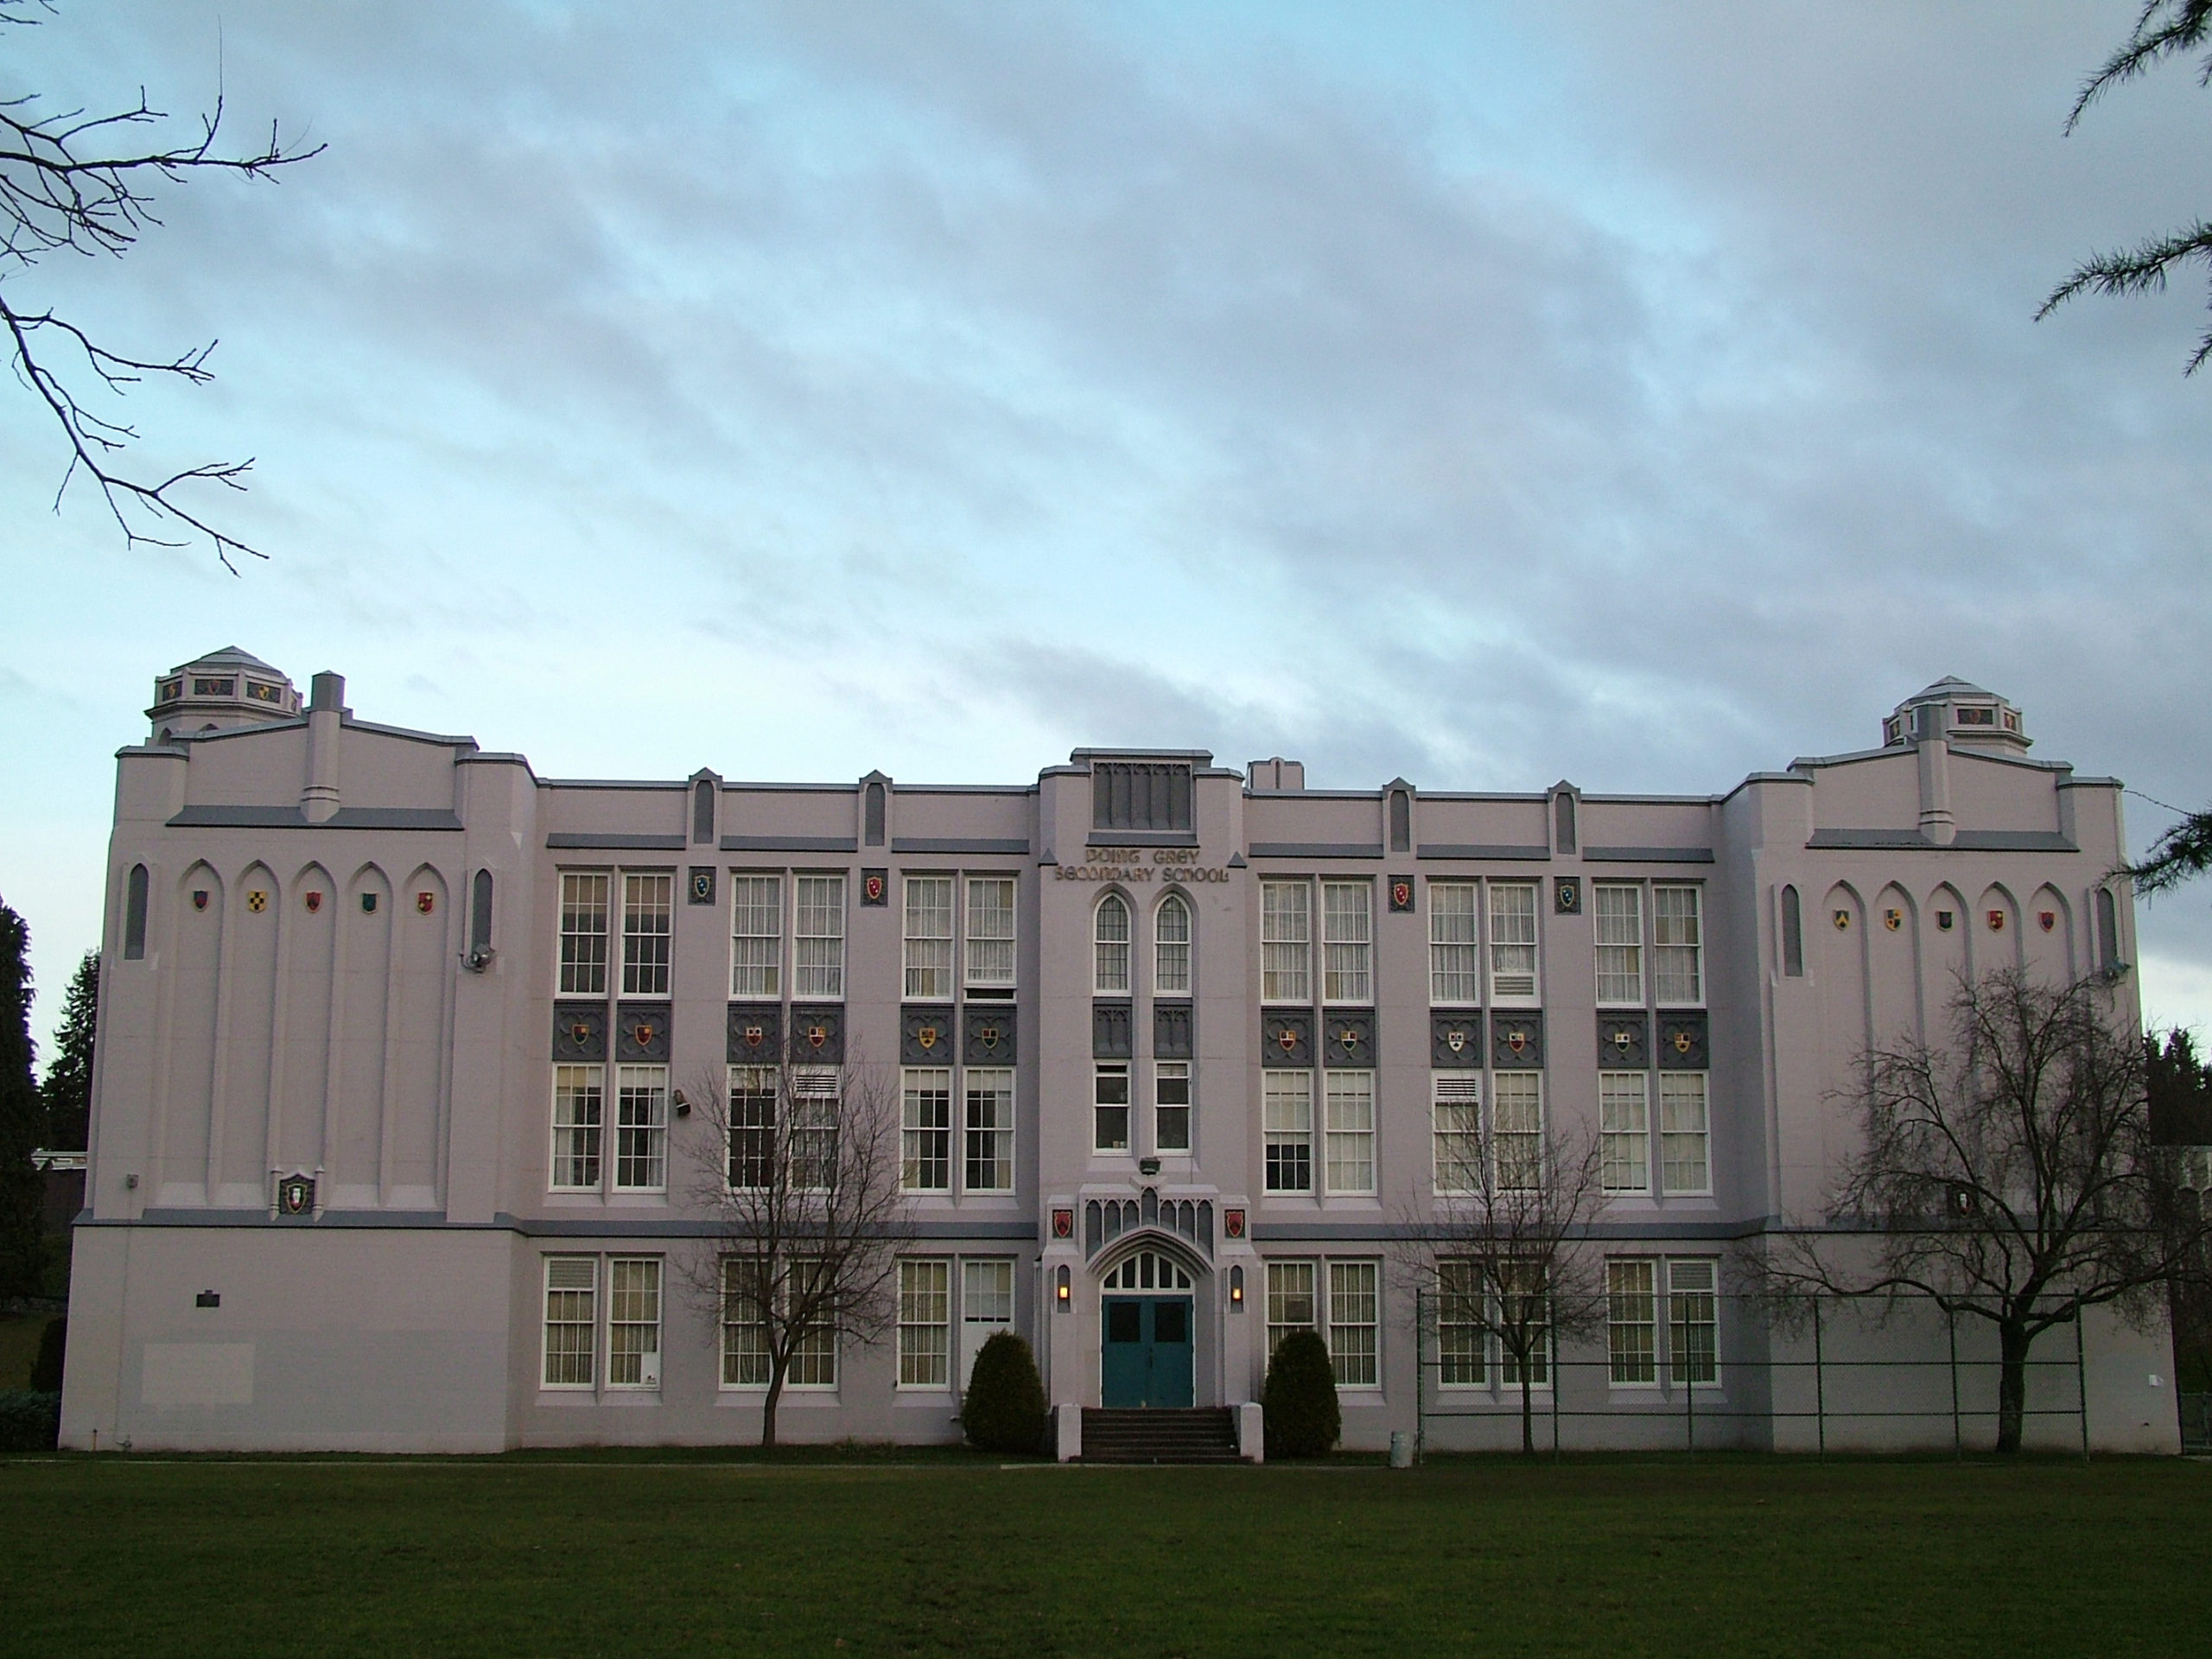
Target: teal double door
{"type": "Point", "coordinates": [1145, 1355]}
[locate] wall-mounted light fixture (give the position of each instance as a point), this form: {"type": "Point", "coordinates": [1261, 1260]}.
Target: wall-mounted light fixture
{"type": "Point", "coordinates": [1063, 1289]}
{"type": "Point", "coordinates": [1236, 1289]}
{"type": "Point", "coordinates": [683, 1106]}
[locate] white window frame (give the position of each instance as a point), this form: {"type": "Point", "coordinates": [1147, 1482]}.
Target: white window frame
{"type": "Point", "coordinates": [813, 1364]}
{"type": "Point", "coordinates": [1516, 1130]}
{"type": "Point", "coordinates": [590, 1135]}
{"type": "Point", "coordinates": [1289, 1281]}
{"type": "Point", "coordinates": [1620, 978]}
{"type": "Point", "coordinates": [1168, 1078]}
{"type": "Point", "coordinates": [1685, 1123]}
{"type": "Point", "coordinates": [925, 1095]}
{"type": "Point", "coordinates": [1103, 1074]}
{"type": "Point", "coordinates": [927, 955]}
{"type": "Point", "coordinates": [987, 1092]}
{"type": "Point", "coordinates": [648, 932]}
{"type": "Point", "coordinates": [641, 1128]}
{"type": "Point", "coordinates": [1286, 1112]}
{"type": "Point", "coordinates": [1172, 955]}
{"type": "Point", "coordinates": [924, 1290]}
{"type": "Point", "coordinates": [1622, 1292]}
{"type": "Point", "coordinates": [1113, 934]}
{"type": "Point", "coordinates": [1348, 1132]}
{"type": "Point", "coordinates": [590, 1324]}
{"type": "Point", "coordinates": [817, 931]}
{"type": "Point", "coordinates": [1703, 1273]}
{"type": "Point", "coordinates": [1348, 943]}
{"type": "Point", "coordinates": [760, 979]}
{"type": "Point", "coordinates": [1467, 1352]}
{"type": "Point", "coordinates": [1456, 1139]}
{"type": "Point", "coordinates": [816, 1105]}
{"type": "Point", "coordinates": [1455, 950]}
{"type": "Point", "coordinates": [754, 1098]}
{"type": "Point", "coordinates": [1511, 909]}
{"type": "Point", "coordinates": [1624, 1133]}
{"type": "Point", "coordinates": [1358, 1372]}
{"type": "Point", "coordinates": [1677, 943]}
{"type": "Point", "coordinates": [1546, 1356]}
{"type": "Point", "coordinates": [1287, 942]}
{"type": "Point", "coordinates": [643, 1300]}
{"type": "Point", "coordinates": [986, 1307]}
{"type": "Point", "coordinates": [987, 948]}
{"type": "Point", "coordinates": [574, 973]}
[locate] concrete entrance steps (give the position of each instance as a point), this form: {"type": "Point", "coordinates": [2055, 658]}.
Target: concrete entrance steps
{"type": "Point", "coordinates": [1153, 1436]}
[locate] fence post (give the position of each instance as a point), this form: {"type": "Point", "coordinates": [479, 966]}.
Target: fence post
{"type": "Point", "coordinates": [2082, 1381]}
{"type": "Point", "coordinates": [1421, 1391]}
{"type": "Point", "coordinates": [1958, 1444]}
{"type": "Point", "coordinates": [1819, 1385]}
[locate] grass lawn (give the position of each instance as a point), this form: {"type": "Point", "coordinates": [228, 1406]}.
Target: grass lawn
{"type": "Point", "coordinates": [600, 1555]}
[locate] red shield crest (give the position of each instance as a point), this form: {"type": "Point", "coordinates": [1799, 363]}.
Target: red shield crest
{"type": "Point", "coordinates": [200, 898]}
{"type": "Point", "coordinates": [817, 1035]}
{"type": "Point", "coordinates": [1402, 895]}
{"type": "Point", "coordinates": [314, 902]}
{"type": "Point", "coordinates": [1232, 1222]}
{"type": "Point", "coordinates": [1062, 1224]}
{"type": "Point", "coordinates": [642, 1035]}
{"type": "Point", "coordinates": [1287, 1039]}
{"type": "Point", "coordinates": [872, 887]}
{"type": "Point", "coordinates": [578, 1032]}
{"type": "Point", "coordinates": [753, 1036]}
{"type": "Point", "coordinates": [2048, 919]}
{"type": "Point", "coordinates": [426, 902]}
{"type": "Point", "coordinates": [1997, 921]}
{"type": "Point", "coordinates": [1517, 1040]}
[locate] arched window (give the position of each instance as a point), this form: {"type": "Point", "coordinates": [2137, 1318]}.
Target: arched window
{"type": "Point", "coordinates": [2108, 930]}
{"type": "Point", "coordinates": [1793, 935]}
{"type": "Point", "coordinates": [702, 811]}
{"type": "Point", "coordinates": [1148, 1270]}
{"type": "Point", "coordinates": [479, 912]}
{"type": "Point", "coordinates": [1171, 934]}
{"type": "Point", "coordinates": [134, 915]}
{"type": "Point", "coordinates": [1113, 943]}
{"type": "Point", "coordinates": [873, 813]}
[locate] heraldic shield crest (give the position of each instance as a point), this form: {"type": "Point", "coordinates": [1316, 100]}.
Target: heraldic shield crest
{"type": "Point", "coordinates": [295, 1195]}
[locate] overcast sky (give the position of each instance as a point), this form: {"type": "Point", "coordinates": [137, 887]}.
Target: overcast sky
{"type": "Point", "coordinates": [1488, 394]}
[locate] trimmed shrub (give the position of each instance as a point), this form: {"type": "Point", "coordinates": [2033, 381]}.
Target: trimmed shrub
{"type": "Point", "coordinates": [1299, 1401]}
{"type": "Point", "coordinates": [30, 1420]}
{"type": "Point", "coordinates": [1004, 1410]}
{"type": "Point", "coordinates": [46, 1369]}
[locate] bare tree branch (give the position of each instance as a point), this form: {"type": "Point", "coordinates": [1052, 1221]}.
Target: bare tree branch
{"type": "Point", "coordinates": [67, 186]}
{"type": "Point", "coordinates": [797, 1168]}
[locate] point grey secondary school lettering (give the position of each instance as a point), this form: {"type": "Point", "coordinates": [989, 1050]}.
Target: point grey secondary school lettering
{"type": "Point", "coordinates": [1127, 864]}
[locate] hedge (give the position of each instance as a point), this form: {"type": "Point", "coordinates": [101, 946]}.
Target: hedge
{"type": "Point", "coordinates": [1299, 1401]}
{"type": "Point", "coordinates": [1004, 1410]}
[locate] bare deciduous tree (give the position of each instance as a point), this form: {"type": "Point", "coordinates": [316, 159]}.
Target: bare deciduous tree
{"type": "Point", "coordinates": [69, 183]}
{"type": "Point", "coordinates": [2009, 1176]}
{"type": "Point", "coordinates": [1502, 1252]}
{"type": "Point", "coordinates": [797, 1170]}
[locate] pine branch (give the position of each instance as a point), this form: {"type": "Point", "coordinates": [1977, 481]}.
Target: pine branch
{"type": "Point", "coordinates": [2183, 852]}
{"type": "Point", "coordinates": [2187, 28]}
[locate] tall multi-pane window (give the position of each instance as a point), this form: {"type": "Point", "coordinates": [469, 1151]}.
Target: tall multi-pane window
{"type": "Point", "coordinates": [1171, 1106]}
{"type": "Point", "coordinates": [756, 954]}
{"type": "Point", "coordinates": [1620, 943]}
{"type": "Point", "coordinates": [579, 1114]}
{"type": "Point", "coordinates": [818, 936]}
{"type": "Point", "coordinates": [1677, 945]}
{"type": "Point", "coordinates": [1524, 1305]}
{"type": "Point", "coordinates": [925, 1323]}
{"type": "Point", "coordinates": [926, 1131]}
{"type": "Point", "coordinates": [929, 937]}
{"type": "Point", "coordinates": [990, 932]}
{"type": "Point", "coordinates": [1110, 946]}
{"type": "Point", "coordinates": [1625, 1131]}
{"type": "Point", "coordinates": [648, 913]}
{"type": "Point", "coordinates": [986, 1307]}
{"type": "Point", "coordinates": [571, 1320]}
{"type": "Point", "coordinates": [1692, 1321]}
{"type": "Point", "coordinates": [1513, 940]}
{"type": "Point", "coordinates": [633, 1322]}
{"type": "Point", "coordinates": [641, 1130]}
{"type": "Point", "coordinates": [745, 1326]}
{"type": "Point", "coordinates": [989, 1161]}
{"type": "Point", "coordinates": [1347, 933]}
{"type": "Point", "coordinates": [1290, 1300]}
{"type": "Point", "coordinates": [1286, 942]}
{"type": "Point", "coordinates": [1517, 1129]}
{"type": "Point", "coordinates": [583, 933]}
{"type": "Point", "coordinates": [816, 1107]}
{"type": "Point", "coordinates": [1632, 1320]}
{"type": "Point", "coordinates": [1348, 1124]}
{"type": "Point", "coordinates": [1288, 1110]}
{"type": "Point", "coordinates": [1171, 947]}
{"type": "Point", "coordinates": [1454, 951]}
{"type": "Point", "coordinates": [1354, 1312]}
{"type": "Point", "coordinates": [752, 1125]}
{"type": "Point", "coordinates": [1109, 1095]}
{"type": "Point", "coordinates": [814, 1355]}
{"type": "Point", "coordinates": [1461, 1340]}
{"type": "Point", "coordinates": [1459, 1131]}
{"type": "Point", "coordinates": [1684, 1164]}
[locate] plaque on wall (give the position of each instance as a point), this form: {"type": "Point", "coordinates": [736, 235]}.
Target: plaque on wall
{"type": "Point", "coordinates": [1286, 1037]}
{"type": "Point", "coordinates": [1517, 1039]}
{"type": "Point", "coordinates": [1623, 1042]}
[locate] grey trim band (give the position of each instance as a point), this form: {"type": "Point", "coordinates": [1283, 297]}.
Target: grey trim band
{"type": "Point", "coordinates": [603, 1225]}
{"type": "Point", "coordinates": [1647, 855]}
{"type": "Point", "coordinates": [790, 844]}
{"type": "Point", "coordinates": [1967, 841]}
{"type": "Point", "coordinates": [1515, 854]}
{"type": "Point", "coordinates": [289, 817]}
{"type": "Point", "coordinates": [565, 839]}
{"type": "Point", "coordinates": [958, 844]}
{"type": "Point", "coordinates": [1315, 849]}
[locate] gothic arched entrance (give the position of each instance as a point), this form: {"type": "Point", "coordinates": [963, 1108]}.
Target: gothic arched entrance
{"type": "Point", "coordinates": [1147, 1331]}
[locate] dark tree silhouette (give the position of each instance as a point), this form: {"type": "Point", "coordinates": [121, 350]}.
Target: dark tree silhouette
{"type": "Point", "coordinates": [73, 182]}
{"type": "Point", "coordinates": [22, 1189]}
{"type": "Point", "coordinates": [66, 1089]}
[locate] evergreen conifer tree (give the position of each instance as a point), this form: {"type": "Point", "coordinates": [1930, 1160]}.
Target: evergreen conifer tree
{"type": "Point", "coordinates": [66, 1088]}
{"type": "Point", "coordinates": [23, 1190]}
